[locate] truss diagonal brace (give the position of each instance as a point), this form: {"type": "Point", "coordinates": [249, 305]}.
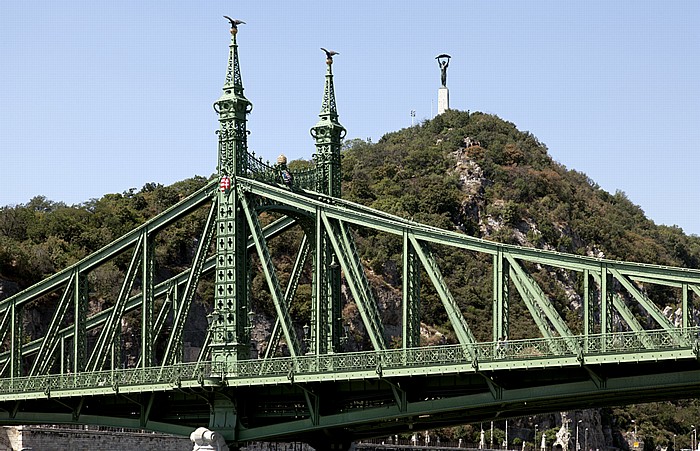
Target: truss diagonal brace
{"type": "Point", "coordinates": [190, 287]}
{"type": "Point", "coordinates": [289, 293]}
{"type": "Point", "coordinates": [99, 353]}
{"type": "Point", "coordinates": [464, 334]}
{"type": "Point", "coordinates": [530, 289]}
{"type": "Point", "coordinates": [628, 316]}
{"type": "Point", "coordinates": [644, 301]}
{"type": "Point", "coordinates": [41, 362]}
{"type": "Point", "coordinates": [270, 275]}
{"type": "Point", "coordinates": [5, 323]}
{"type": "Point", "coordinates": [357, 281]}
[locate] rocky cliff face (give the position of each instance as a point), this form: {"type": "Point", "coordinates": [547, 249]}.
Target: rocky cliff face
{"type": "Point", "coordinates": [7, 288]}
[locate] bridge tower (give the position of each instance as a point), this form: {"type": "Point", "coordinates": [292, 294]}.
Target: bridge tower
{"type": "Point", "coordinates": [230, 316]}
{"type": "Point", "coordinates": [326, 314]}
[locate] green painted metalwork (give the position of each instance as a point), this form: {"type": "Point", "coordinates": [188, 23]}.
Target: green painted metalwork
{"type": "Point", "coordinates": [529, 290]}
{"type": "Point", "coordinates": [231, 303]}
{"type": "Point", "coordinates": [629, 318]}
{"type": "Point", "coordinates": [271, 277]}
{"type": "Point", "coordinates": [345, 251]}
{"type": "Point", "coordinates": [411, 295]}
{"type": "Point", "coordinates": [643, 300]}
{"type": "Point", "coordinates": [588, 304]}
{"type": "Point", "coordinates": [459, 324]}
{"type": "Point", "coordinates": [173, 351]}
{"type": "Point", "coordinates": [275, 335]}
{"type": "Point", "coordinates": [147, 301]}
{"type": "Point", "coordinates": [15, 344]}
{"type": "Point", "coordinates": [328, 134]}
{"type": "Point", "coordinates": [42, 360]}
{"type": "Point", "coordinates": [501, 298]}
{"type": "Point", "coordinates": [63, 377]}
{"type": "Point", "coordinates": [80, 305]}
{"type": "Point", "coordinates": [168, 288]}
{"type": "Point", "coordinates": [613, 349]}
{"type": "Point", "coordinates": [99, 354]}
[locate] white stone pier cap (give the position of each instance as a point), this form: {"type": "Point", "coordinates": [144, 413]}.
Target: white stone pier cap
{"type": "Point", "coordinates": [206, 440]}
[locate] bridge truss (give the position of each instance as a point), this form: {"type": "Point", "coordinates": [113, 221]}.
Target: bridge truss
{"type": "Point", "coordinates": [306, 385]}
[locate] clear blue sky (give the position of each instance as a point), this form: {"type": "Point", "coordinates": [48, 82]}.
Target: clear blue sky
{"type": "Point", "coordinates": [101, 96]}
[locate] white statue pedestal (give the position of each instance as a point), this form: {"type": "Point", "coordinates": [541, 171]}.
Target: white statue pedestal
{"type": "Point", "coordinates": [443, 99]}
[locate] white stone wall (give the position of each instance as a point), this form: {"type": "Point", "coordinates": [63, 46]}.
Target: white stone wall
{"type": "Point", "coordinates": [100, 439]}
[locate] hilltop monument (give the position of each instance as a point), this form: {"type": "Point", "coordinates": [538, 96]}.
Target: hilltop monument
{"type": "Point", "coordinates": [443, 93]}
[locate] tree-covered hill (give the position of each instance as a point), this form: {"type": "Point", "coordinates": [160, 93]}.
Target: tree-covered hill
{"type": "Point", "coordinates": [479, 174]}
{"type": "Point", "coordinates": [504, 187]}
{"type": "Point", "coordinates": [474, 173]}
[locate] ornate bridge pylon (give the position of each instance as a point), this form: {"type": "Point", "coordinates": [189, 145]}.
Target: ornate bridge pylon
{"type": "Point", "coordinates": [77, 370]}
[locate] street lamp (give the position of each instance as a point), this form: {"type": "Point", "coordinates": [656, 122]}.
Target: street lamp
{"type": "Point", "coordinates": [674, 442]}
{"type": "Point", "coordinates": [585, 439]}
{"type": "Point", "coordinates": [307, 338]}
{"type": "Point", "coordinates": [634, 423]}
{"type": "Point", "coordinates": [506, 440]}
{"type": "Point", "coordinates": [578, 445]}
{"type": "Point", "coordinates": [695, 437]}
{"type": "Point", "coordinates": [535, 440]}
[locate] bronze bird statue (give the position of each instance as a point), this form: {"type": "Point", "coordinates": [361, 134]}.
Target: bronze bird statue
{"type": "Point", "coordinates": [234, 24]}
{"type": "Point", "coordinates": [329, 55]}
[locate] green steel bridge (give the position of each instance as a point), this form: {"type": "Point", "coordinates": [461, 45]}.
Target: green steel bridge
{"type": "Point", "coordinates": [626, 351]}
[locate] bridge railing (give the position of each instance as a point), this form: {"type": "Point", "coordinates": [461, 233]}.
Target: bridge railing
{"type": "Point", "coordinates": [616, 343]}
{"type": "Point", "coordinates": [113, 379]}
{"type": "Point", "coordinates": [265, 172]}
{"type": "Point", "coordinates": [632, 344]}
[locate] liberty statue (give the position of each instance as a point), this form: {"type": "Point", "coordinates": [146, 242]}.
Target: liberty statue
{"type": "Point", "coordinates": [443, 63]}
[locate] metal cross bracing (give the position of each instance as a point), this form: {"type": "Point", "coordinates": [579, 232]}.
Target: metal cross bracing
{"type": "Point", "coordinates": [306, 384]}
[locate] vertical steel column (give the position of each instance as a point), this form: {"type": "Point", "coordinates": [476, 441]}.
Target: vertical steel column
{"type": "Point", "coordinates": [80, 301]}
{"type": "Point", "coordinates": [685, 312]}
{"type": "Point", "coordinates": [318, 332]}
{"type": "Point", "coordinates": [63, 355]}
{"type": "Point", "coordinates": [229, 317]}
{"type": "Point", "coordinates": [411, 294]}
{"type": "Point", "coordinates": [605, 301]}
{"type": "Point", "coordinates": [16, 341]}
{"type": "Point", "coordinates": [501, 296]}
{"type": "Point", "coordinates": [147, 259]}
{"type": "Point", "coordinates": [587, 305]}
{"type": "Point", "coordinates": [334, 317]}
{"type": "Point", "coordinates": [326, 318]}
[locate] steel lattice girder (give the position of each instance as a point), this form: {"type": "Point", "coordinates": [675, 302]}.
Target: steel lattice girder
{"type": "Point", "coordinates": [363, 216]}
{"type": "Point", "coordinates": [77, 278]}
{"type": "Point", "coordinates": [431, 396]}
{"type": "Point", "coordinates": [468, 358]}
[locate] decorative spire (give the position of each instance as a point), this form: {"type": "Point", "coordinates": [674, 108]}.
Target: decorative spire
{"type": "Point", "coordinates": [329, 112]}
{"type": "Point", "coordinates": [328, 107]}
{"type": "Point", "coordinates": [329, 135]}
{"type": "Point", "coordinates": [233, 73]}
{"type": "Point", "coordinates": [232, 108]}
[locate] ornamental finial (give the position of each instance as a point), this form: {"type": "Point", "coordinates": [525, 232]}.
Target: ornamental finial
{"type": "Point", "coordinates": [234, 24]}
{"type": "Point", "coordinates": [329, 55]}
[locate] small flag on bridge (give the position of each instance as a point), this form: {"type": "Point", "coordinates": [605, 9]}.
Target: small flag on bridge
{"type": "Point", "coordinates": [225, 183]}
